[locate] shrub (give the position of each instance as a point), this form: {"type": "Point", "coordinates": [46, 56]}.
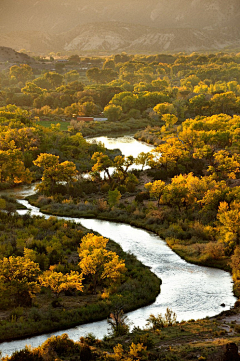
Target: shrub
{"type": "Point", "coordinates": [62, 345]}
{"type": "Point", "coordinates": [25, 355]}
{"type": "Point", "coordinates": [159, 321]}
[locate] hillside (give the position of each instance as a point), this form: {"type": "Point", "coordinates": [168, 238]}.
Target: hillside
{"type": "Point", "coordinates": [109, 26]}
{"type": "Point", "coordinates": [9, 55]}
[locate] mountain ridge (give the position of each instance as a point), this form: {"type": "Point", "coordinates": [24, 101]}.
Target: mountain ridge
{"type": "Point", "coordinates": [94, 25]}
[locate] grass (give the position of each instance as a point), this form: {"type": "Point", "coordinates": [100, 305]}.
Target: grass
{"type": "Point", "coordinates": [47, 124]}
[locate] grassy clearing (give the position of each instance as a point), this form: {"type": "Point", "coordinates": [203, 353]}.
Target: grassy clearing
{"type": "Point", "coordinates": [47, 123]}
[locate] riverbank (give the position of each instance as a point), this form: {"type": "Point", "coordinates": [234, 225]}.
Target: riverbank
{"type": "Point", "coordinates": [208, 339]}
{"type": "Point", "coordinates": [167, 257]}
{"type": "Point", "coordinates": [131, 211]}
{"type": "Point", "coordinates": [138, 287]}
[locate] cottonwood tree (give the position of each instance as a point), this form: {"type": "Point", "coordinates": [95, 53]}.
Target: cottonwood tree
{"type": "Point", "coordinates": [229, 217]}
{"type": "Point", "coordinates": [18, 279]}
{"type": "Point", "coordinates": [102, 164]}
{"type": "Point", "coordinates": [98, 262]}
{"type": "Point", "coordinates": [54, 172]}
{"type": "Point", "coordinates": [155, 189]}
{"type": "Point", "coordinates": [58, 282]}
{"type": "Point", "coordinates": [12, 168]}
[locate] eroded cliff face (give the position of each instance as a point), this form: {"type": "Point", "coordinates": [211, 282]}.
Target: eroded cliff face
{"type": "Point", "coordinates": [113, 25]}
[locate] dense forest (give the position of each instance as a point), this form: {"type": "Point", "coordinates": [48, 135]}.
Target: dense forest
{"type": "Point", "coordinates": [188, 191]}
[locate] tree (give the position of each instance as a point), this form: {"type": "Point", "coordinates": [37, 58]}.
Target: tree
{"type": "Point", "coordinates": [159, 321]}
{"type": "Point", "coordinates": [98, 262]}
{"type": "Point", "coordinates": [122, 164]}
{"type": "Point", "coordinates": [18, 277]}
{"type": "Point", "coordinates": [33, 89]}
{"type": "Point", "coordinates": [88, 109]}
{"type": "Point", "coordinates": [21, 73]}
{"type": "Point", "coordinates": [169, 119]}
{"type": "Point", "coordinates": [235, 263]}
{"type": "Point", "coordinates": [102, 164]}
{"type": "Point", "coordinates": [118, 322]}
{"type": "Point", "coordinates": [229, 217]}
{"type": "Point", "coordinates": [223, 103]}
{"type": "Point", "coordinates": [168, 155]}
{"type": "Point", "coordinates": [113, 112]}
{"type": "Point", "coordinates": [54, 172]}
{"type": "Point", "coordinates": [155, 189]}
{"type": "Point", "coordinates": [12, 167]}
{"type": "Point", "coordinates": [113, 197]}
{"type": "Point", "coordinates": [58, 282]}
{"type": "Point", "coordinates": [74, 59]}
{"type": "Point", "coordinates": [109, 64]}
{"type": "Point", "coordinates": [225, 166]}
{"type": "Point", "coordinates": [164, 108]}
{"type": "Point", "coordinates": [142, 159]}
{"type": "Point", "coordinates": [198, 104]}
{"type": "Point", "coordinates": [54, 78]}
{"type": "Point", "coordinates": [94, 74]}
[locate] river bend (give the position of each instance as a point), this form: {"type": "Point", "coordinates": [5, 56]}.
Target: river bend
{"type": "Point", "coordinates": [191, 291]}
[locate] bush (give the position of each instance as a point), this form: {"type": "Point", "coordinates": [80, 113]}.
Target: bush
{"type": "Point", "coordinates": [142, 196]}
{"type": "Point", "coordinates": [25, 355]}
{"type": "Point", "coordinates": [62, 345]}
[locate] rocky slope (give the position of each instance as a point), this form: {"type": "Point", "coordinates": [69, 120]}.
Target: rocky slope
{"type": "Point", "coordinates": [126, 25]}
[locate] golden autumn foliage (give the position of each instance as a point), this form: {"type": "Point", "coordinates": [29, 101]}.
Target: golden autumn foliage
{"type": "Point", "coordinates": [97, 261]}
{"type": "Point", "coordinates": [58, 282]}
{"type": "Point", "coordinates": [18, 278]}
{"type": "Point", "coordinates": [54, 172]}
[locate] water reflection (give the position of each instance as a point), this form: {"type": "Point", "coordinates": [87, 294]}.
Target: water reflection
{"type": "Point", "coordinates": [127, 144]}
{"type": "Point", "coordinates": [191, 291]}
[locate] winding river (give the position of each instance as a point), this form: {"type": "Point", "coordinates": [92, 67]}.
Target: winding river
{"type": "Point", "coordinates": [191, 291]}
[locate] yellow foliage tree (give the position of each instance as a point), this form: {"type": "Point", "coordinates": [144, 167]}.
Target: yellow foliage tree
{"type": "Point", "coordinates": [155, 189]}
{"type": "Point", "coordinates": [18, 279]}
{"type": "Point", "coordinates": [229, 217]}
{"type": "Point", "coordinates": [97, 261]}
{"type": "Point", "coordinates": [58, 282]}
{"type": "Point", "coordinates": [54, 172]}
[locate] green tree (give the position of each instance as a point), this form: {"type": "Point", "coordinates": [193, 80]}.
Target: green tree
{"type": "Point", "coordinates": [113, 112]}
{"type": "Point", "coordinates": [223, 103]}
{"type": "Point", "coordinates": [113, 197]}
{"type": "Point", "coordinates": [94, 75]}
{"type": "Point", "coordinates": [21, 73]}
{"type": "Point", "coordinates": [54, 78]}
{"type": "Point", "coordinates": [164, 108]}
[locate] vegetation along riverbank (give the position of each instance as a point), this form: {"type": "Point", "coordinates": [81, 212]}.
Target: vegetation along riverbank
{"type": "Point", "coordinates": [190, 195]}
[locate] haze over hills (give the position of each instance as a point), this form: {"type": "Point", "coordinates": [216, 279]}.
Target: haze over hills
{"type": "Point", "coordinates": [109, 26]}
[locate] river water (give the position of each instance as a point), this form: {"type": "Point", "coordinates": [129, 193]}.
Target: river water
{"type": "Point", "coordinates": [191, 291]}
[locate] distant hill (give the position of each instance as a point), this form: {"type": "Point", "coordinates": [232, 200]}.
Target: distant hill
{"type": "Point", "coordinates": [126, 25]}
{"type": "Point", "coordinates": [9, 55]}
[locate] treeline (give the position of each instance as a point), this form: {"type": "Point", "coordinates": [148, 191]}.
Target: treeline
{"type": "Point", "coordinates": [124, 87]}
